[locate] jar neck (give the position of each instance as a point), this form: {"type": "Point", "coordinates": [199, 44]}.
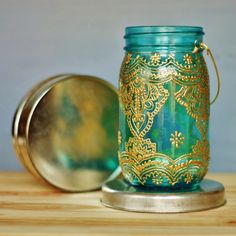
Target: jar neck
{"type": "Point", "coordinates": [162, 38]}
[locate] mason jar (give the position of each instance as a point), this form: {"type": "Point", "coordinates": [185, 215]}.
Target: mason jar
{"type": "Point", "coordinates": [164, 107]}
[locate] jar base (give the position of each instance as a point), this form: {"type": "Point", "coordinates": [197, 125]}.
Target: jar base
{"type": "Point", "coordinates": [181, 187]}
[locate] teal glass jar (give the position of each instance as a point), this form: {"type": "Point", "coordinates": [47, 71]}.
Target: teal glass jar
{"type": "Point", "coordinates": [164, 107]}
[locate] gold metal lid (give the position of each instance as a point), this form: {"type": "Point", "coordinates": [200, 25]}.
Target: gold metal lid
{"type": "Point", "coordinates": [65, 131]}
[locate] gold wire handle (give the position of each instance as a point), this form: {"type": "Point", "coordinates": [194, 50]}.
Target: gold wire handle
{"type": "Point", "coordinates": [209, 53]}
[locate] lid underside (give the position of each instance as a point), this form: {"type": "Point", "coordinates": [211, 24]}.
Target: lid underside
{"type": "Point", "coordinates": [71, 132]}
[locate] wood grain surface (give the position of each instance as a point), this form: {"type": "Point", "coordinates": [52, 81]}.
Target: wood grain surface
{"type": "Point", "coordinates": [28, 207]}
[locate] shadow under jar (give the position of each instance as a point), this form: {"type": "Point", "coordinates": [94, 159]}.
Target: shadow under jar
{"type": "Point", "coordinates": [164, 107]}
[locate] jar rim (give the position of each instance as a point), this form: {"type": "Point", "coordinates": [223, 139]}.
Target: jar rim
{"type": "Point", "coordinates": [153, 29]}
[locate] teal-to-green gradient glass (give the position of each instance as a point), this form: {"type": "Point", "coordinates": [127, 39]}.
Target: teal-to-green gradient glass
{"type": "Point", "coordinates": [164, 107]}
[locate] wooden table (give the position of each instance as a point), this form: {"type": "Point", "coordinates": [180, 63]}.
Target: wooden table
{"type": "Point", "coordinates": [28, 207]}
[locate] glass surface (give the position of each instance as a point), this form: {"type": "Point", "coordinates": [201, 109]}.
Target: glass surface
{"type": "Point", "coordinates": [164, 107]}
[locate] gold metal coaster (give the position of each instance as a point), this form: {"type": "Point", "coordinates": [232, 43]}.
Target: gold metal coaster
{"type": "Point", "coordinates": [65, 131]}
{"type": "Point", "coordinates": [119, 194]}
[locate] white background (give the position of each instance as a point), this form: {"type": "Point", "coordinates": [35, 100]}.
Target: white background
{"type": "Point", "coordinates": [41, 38]}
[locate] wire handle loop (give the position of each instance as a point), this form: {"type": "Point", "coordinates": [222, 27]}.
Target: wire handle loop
{"type": "Point", "coordinates": [203, 46]}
